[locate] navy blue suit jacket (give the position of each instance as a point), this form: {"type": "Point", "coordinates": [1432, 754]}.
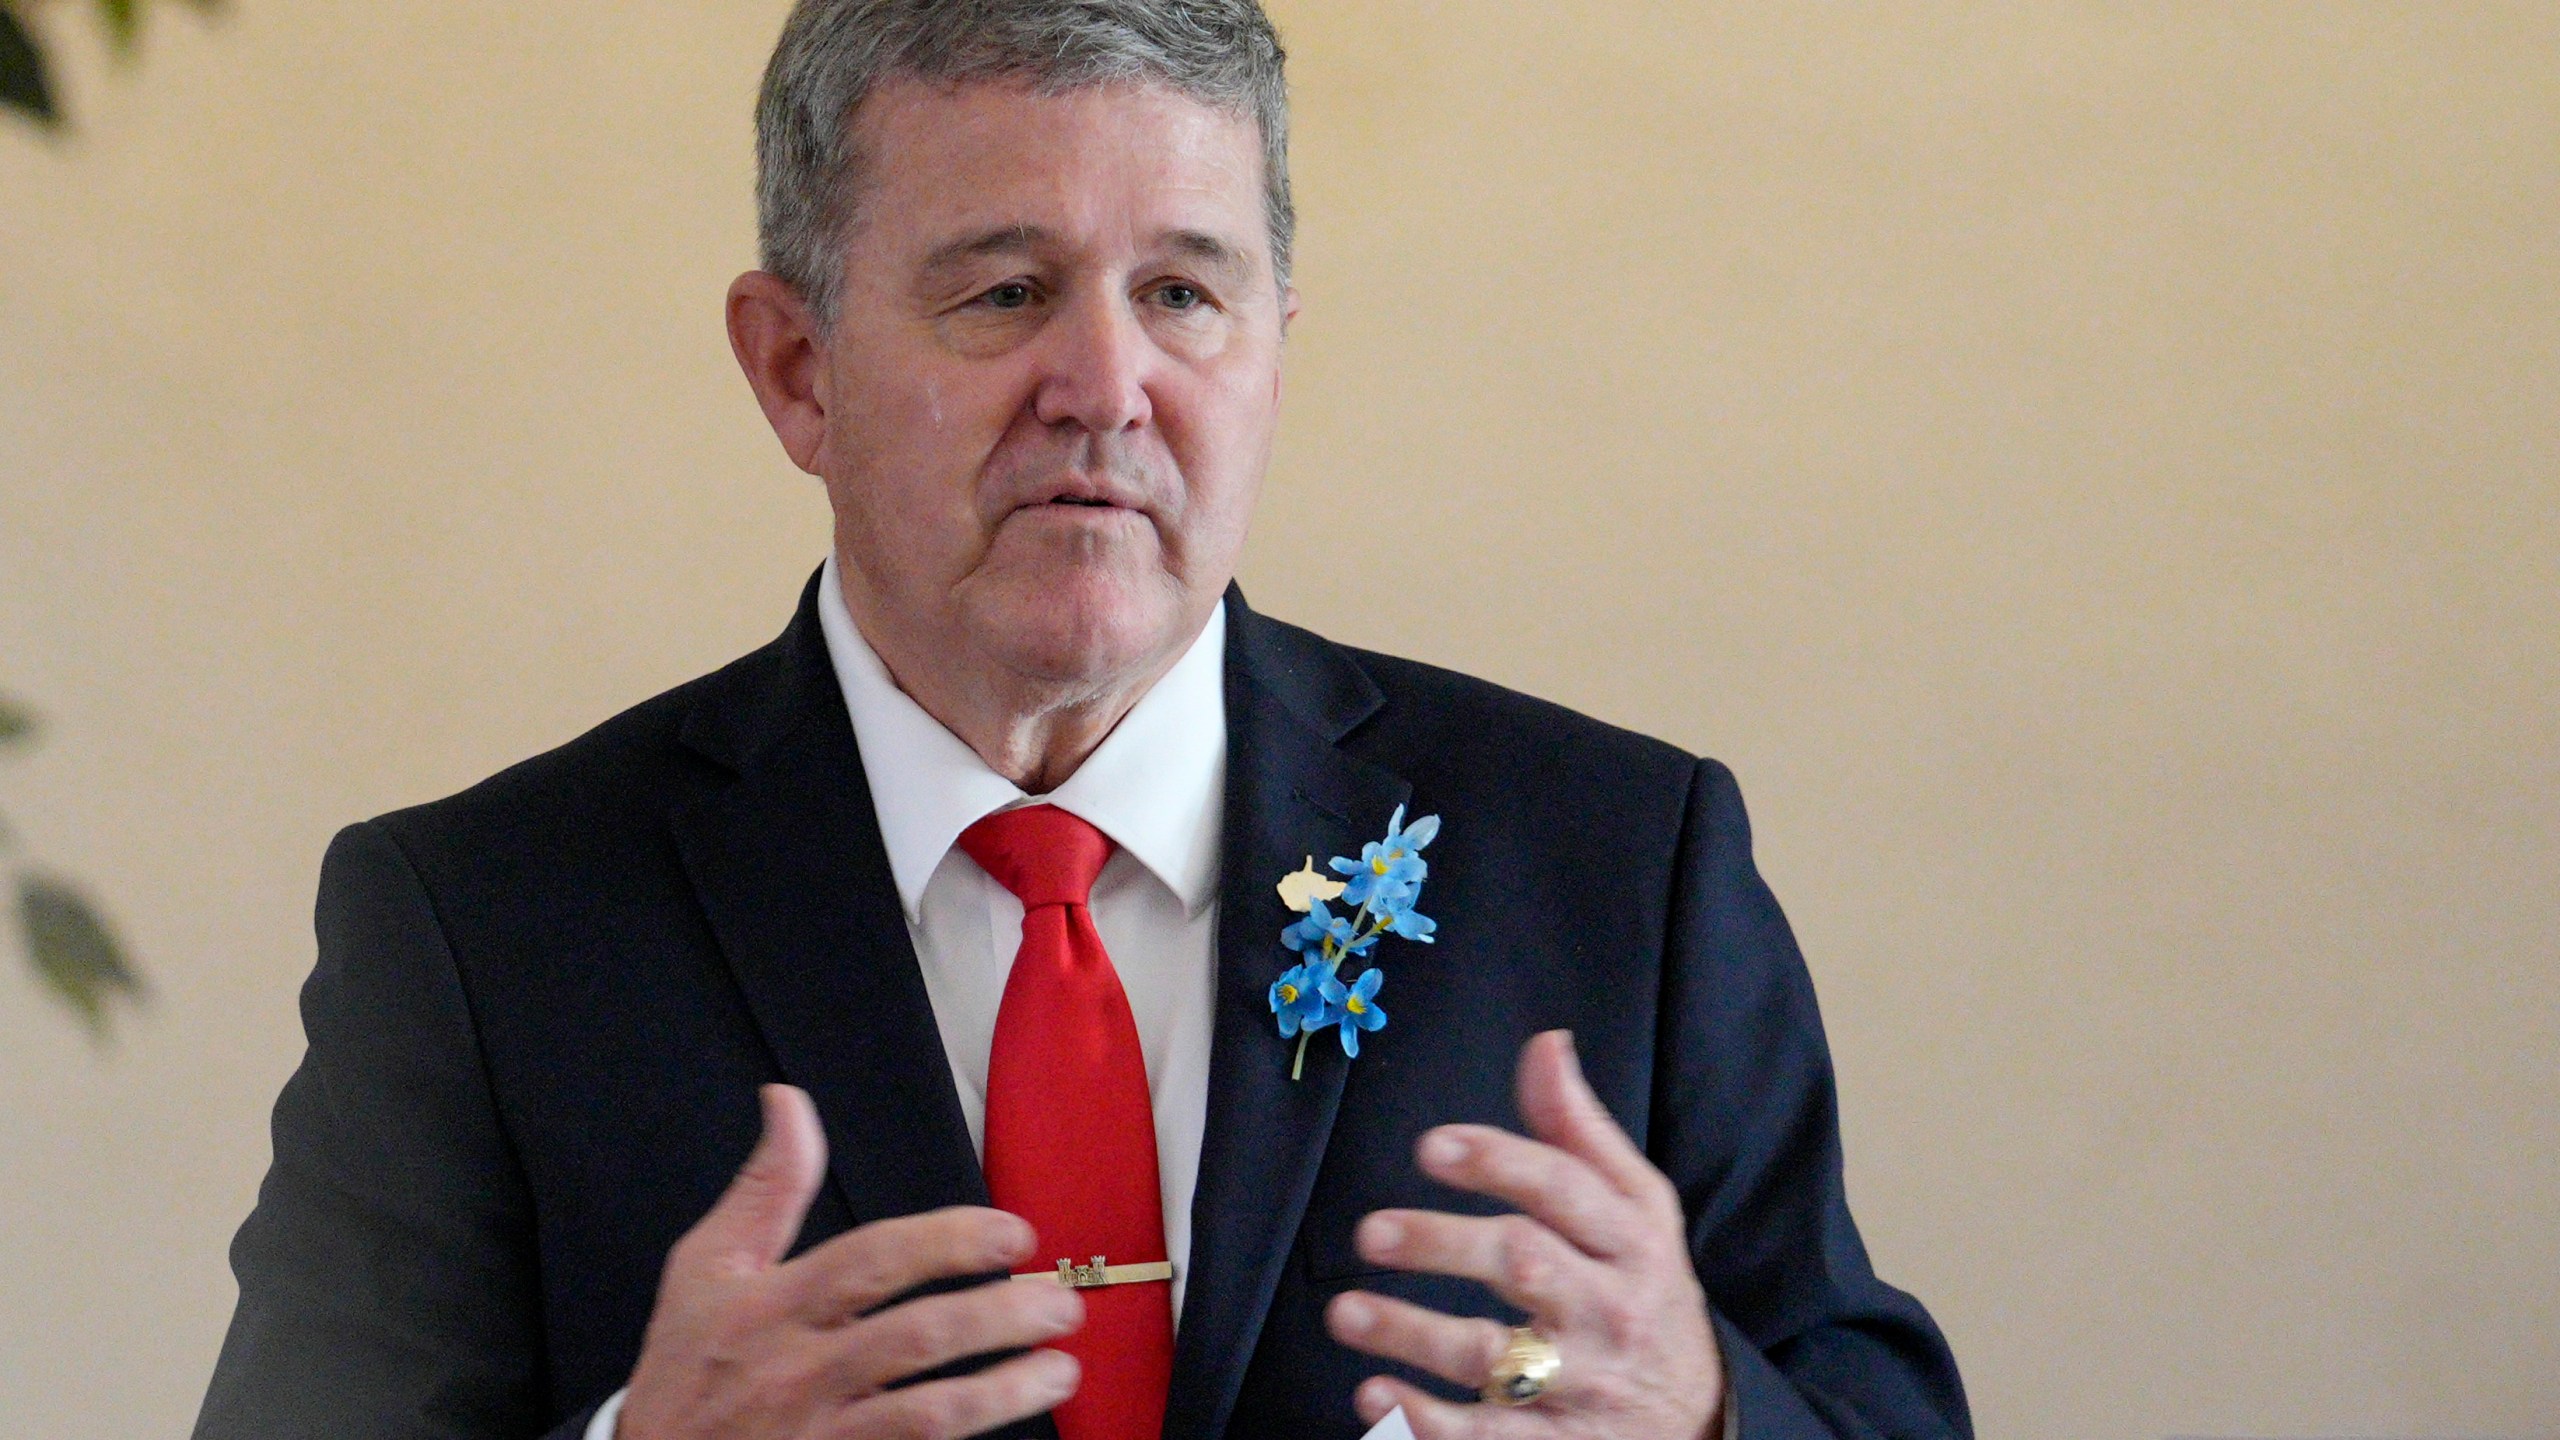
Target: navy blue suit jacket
{"type": "Point", "coordinates": [542, 1008]}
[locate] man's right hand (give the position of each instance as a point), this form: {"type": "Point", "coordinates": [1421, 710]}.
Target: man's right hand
{"type": "Point", "coordinates": [746, 1346]}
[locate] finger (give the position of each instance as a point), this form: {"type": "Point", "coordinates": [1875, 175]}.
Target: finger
{"type": "Point", "coordinates": [866, 1267]}
{"type": "Point", "coordinates": [1559, 1189]}
{"type": "Point", "coordinates": [1523, 1261]}
{"type": "Point", "coordinates": [1561, 1109]}
{"type": "Point", "coordinates": [1460, 1351]}
{"type": "Point", "coordinates": [1431, 1417]}
{"type": "Point", "coordinates": [1019, 1388]}
{"type": "Point", "coordinates": [914, 1337]}
{"type": "Point", "coordinates": [755, 1220]}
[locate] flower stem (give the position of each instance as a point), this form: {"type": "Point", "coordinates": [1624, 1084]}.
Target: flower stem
{"type": "Point", "coordinates": [1298, 1067]}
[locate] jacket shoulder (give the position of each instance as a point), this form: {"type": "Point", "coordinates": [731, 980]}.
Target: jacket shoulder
{"type": "Point", "coordinates": [629, 770]}
{"type": "Point", "coordinates": [1433, 720]}
{"type": "Point", "coordinates": [1371, 700]}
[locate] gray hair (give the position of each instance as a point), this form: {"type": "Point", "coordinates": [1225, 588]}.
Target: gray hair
{"type": "Point", "coordinates": [833, 53]}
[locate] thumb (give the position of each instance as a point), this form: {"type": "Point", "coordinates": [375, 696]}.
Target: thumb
{"type": "Point", "coordinates": [758, 1216]}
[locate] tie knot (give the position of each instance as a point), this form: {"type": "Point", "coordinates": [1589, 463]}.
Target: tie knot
{"type": "Point", "coordinates": [1042, 854]}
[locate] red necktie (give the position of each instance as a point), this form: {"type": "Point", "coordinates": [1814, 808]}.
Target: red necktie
{"type": "Point", "coordinates": [1071, 1137]}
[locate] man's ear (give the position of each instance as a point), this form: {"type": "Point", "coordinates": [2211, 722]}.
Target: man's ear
{"type": "Point", "coordinates": [1288, 307]}
{"type": "Point", "coordinates": [777, 343]}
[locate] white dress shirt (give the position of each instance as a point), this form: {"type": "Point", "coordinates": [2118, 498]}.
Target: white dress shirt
{"type": "Point", "coordinates": [1156, 785]}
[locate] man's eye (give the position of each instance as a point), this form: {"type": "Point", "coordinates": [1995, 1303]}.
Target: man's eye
{"type": "Point", "coordinates": [1180, 297]}
{"type": "Point", "coordinates": [1012, 295]}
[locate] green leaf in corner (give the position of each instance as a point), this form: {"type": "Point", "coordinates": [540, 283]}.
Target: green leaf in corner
{"type": "Point", "coordinates": [123, 19]}
{"type": "Point", "coordinates": [73, 952]}
{"type": "Point", "coordinates": [17, 723]}
{"type": "Point", "coordinates": [22, 78]}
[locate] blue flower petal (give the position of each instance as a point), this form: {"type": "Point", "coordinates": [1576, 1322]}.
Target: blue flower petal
{"type": "Point", "coordinates": [1307, 1010]}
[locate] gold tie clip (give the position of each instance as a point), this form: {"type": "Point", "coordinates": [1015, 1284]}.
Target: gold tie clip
{"type": "Point", "coordinates": [1100, 1273]}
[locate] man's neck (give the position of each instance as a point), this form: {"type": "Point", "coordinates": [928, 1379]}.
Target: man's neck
{"type": "Point", "coordinates": [1031, 734]}
{"type": "Point", "coordinates": [1033, 730]}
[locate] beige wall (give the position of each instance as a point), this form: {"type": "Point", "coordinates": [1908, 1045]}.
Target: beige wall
{"type": "Point", "coordinates": [2091, 469]}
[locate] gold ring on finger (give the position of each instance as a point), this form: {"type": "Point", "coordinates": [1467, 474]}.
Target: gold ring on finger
{"type": "Point", "coordinates": [1527, 1369]}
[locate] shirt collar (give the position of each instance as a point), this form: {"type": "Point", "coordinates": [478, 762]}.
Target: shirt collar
{"type": "Point", "coordinates": [1156, 785]}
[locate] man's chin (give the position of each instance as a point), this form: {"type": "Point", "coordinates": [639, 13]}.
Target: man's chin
{"type": "Point", "coordinates": [1087, 630]}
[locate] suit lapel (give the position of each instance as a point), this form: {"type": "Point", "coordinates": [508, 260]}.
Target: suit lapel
{"type": "Point", "coordinates": [791, 871]}
{"type": "Point", "coordinates": [1291, 794]}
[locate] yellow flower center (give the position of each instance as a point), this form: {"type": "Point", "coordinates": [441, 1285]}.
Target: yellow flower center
{"type": "Point", "coordinates": [1356, 1005]}
{"type": "Point", "coordinates": [1288, 994]}
{"type": "Point", "coordinates": [1378, 867]}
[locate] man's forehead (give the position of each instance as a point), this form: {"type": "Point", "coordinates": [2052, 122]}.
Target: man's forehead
{"type": "Point", "coordinates": [967, 156]}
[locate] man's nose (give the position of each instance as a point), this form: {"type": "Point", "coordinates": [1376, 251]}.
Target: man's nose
{"type": "Point", "coordinates": [1096, 360]}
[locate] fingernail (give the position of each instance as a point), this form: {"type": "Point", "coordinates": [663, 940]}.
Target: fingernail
{"type": "Point", "coordinates": [1440, 1149]}
{"type": "Point", "coordinates": [1380, 1233]}
{"type": "Point", "coordinates": [1354, 1315]}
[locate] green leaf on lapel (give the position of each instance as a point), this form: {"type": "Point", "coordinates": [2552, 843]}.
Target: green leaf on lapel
{"type": "Point", "coordinates": [73, 951]}
{"type": "Point", "coordinates": [23, 85]}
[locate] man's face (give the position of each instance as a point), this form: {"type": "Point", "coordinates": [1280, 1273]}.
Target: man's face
{"type": "Point", "coordinates": [1054, 375]}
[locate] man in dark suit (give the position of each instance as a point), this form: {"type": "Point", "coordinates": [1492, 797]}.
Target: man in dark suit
{"type": "Point", "coordinates": [1024, 294]}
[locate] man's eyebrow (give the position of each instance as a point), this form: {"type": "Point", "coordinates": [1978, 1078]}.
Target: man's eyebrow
{"type": "Point", "coordinates": [1024, 239]}
{"type": "Point", "coordinates": [1201, 245]}
{"type": "Point", "coordinates": [1003, 240]}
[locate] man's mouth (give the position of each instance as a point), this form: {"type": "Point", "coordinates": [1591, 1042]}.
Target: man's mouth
{"type": "Point", "coordinates": [1075, 491]}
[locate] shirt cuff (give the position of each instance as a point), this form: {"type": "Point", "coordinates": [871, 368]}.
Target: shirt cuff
{"type": "Point", "coordinates": [601, 1427]}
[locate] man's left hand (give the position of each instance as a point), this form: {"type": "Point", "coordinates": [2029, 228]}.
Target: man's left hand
{"type": "Point", "coordinates": [1598, 1257]}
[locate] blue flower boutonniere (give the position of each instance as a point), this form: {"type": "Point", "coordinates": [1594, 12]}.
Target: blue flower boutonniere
{"type": "Point", "coordinates": [1383, 885]}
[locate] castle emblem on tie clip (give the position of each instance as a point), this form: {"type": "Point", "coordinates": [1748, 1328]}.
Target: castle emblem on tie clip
{"type": "Point", "coordinates": [1100, 1273]}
